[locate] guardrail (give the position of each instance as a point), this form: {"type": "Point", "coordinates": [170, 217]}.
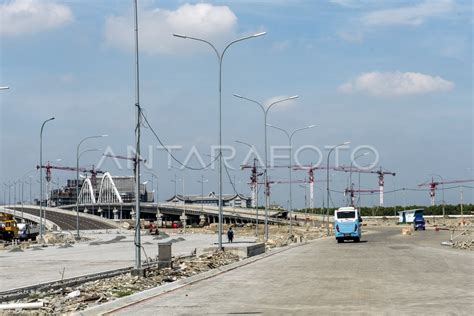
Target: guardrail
{"type": "Point", "coordinates": [17, 213]}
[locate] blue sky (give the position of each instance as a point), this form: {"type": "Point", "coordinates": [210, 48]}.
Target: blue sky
{"type": "Point", "coordinates": [394, 75]}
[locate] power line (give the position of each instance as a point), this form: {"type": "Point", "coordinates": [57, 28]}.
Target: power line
{"type": "Point", "coordinates": [169, 152]}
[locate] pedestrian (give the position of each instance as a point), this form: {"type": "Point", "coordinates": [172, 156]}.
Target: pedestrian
{"type": "Point", "coordinates": [230, 234]}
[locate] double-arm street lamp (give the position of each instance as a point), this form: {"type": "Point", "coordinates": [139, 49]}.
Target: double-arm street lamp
{"type": "Point", "coordinates": [265, 113]}
{"type": "Point", "coordinates": [327, 183]}
{"type": "Point", "coordinates": [290, 138]}
{"type": "Point", "coordinates": [77, 177]}
{"type": "Point", "coordinates": [41, 176]}
{"type": "Point", "coordinates": [220, 57]}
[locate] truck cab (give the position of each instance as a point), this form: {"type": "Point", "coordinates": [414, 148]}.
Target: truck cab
{"type": "Point", "coordinates": [347, 224]}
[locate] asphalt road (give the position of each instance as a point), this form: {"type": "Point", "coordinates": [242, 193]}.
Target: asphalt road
{"type": "Point", "coordinates": [68, 222]}
{"type": "Point", "coordinates": [387, 274]}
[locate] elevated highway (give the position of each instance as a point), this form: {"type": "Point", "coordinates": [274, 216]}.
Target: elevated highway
{"type": "Point", "coordinates": [64, 220]}
{"type": "Point", "coordinates": [172, 211]}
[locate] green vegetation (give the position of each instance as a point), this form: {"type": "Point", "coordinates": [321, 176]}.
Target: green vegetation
{"type": "Point", "coordinates": [393, 210]}
{"type": "Point", "coordinates": [123, 292]}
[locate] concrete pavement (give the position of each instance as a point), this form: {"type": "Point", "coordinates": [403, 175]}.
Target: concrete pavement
{"type": "Point", "coordinates": [386, 274]}
{"type": "Point", "coordinates": [106, 251]}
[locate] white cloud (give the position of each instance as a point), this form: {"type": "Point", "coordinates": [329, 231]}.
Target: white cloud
{"type": "Point", "coordinates": [156, 28]}
{"type": "Point", "coordinates": [32, 16]}
{"type": "Point", "coordinates": [410, 15]}
{"type": "Point", "coordinates": [396, 84]}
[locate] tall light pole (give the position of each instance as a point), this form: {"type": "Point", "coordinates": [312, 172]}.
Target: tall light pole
{"type": "Point", "coordinates": [202, 181]}
{"type": "Point", "coordinates": [290, 138]}
{"type": "Point", "coordinates": [153, 176]}
{"type": "Point", "coordinates": [350, 172]}
{"type": "Point", "coordinates": [254, 187]}
{"type": "Point", "coordinates": [77, 177]}
{"type": "Point", "coordinates": [265, 113]}
{"type": "Point", "coordinates": [327, 183]}
{"type": "Point", "coordinates": [41, 176]}
{"type": "Point", "coordinates": [220, 57]}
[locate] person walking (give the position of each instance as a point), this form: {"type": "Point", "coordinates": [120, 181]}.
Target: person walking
{"type": "Point", "coordinates": [230, 234]}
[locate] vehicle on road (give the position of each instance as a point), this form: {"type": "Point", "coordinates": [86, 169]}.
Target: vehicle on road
{"type": "Point", "coordinates": [8, 227]}
{"type": "Point", "coordinates": [27, 231]}
{"type": "Point", "coordinates": [419, 222]}
{"type": "Point", "coordinates": [347, 224]}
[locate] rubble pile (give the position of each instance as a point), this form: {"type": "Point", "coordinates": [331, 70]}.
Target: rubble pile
{"type": "Point", "coordinates": [72, 299]}
{"type": "Point", "coordinates": [58, 238]}
{"type": "Point", "coordinates": [463, 240]}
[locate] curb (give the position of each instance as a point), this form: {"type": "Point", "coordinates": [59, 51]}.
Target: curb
{"type": "Point", "coordinates": [137, 298]}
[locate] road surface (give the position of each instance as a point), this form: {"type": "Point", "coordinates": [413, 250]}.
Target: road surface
{"type": "Point", "coordinates": [386, 274]}
{"type": "Point", "coordinates": [69, 221]}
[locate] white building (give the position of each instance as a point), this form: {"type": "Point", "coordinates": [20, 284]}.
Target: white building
{"type": "Point", "coordinates": [408, 216]}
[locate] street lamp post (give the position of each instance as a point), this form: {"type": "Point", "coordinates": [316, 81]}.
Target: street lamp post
{"type": "Point", "coordinates": [153, 176]}
{"type": "Point", "coordinates": [327, 183]}
{"type": "Point", "coordinates": [290, 138]}
{"type": "Point", "coordinates": [41, 176]}
{"type": "Point", "coordinates": [254, 189]}
{"type": "Point", "coordinates": [202, 192]}
{"type": "Point", "coordinates": [265, 113]}
{"type": "Point", "coordinates": [77, 178]}
{"type": "Point", "coordinates": [220, 57]}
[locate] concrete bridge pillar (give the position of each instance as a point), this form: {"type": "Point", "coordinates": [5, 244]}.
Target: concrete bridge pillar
{"type": "Point", "coordinates": [159, 218]}
{"type": "Point", "coordinates": [202, 220]}
{"type": "Point", "coordinates": [183, 219]}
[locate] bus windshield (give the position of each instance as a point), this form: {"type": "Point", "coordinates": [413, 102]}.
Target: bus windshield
{"type": "Point", "coordinates": [346, 214]}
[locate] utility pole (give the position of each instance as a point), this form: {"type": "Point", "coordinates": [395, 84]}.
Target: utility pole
{"type": "Point", "coordinates": [138, 261]}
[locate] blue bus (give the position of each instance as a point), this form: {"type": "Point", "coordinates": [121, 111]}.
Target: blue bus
{"type": "Point", "coordinates": [347, 224]}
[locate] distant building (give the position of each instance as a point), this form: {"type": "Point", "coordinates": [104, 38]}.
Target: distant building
{"type": "Point", "coordinates": [125, 185]}
{"type": "Point", "coordinates": [408, 216]}
{"type": "Point", "coordinates": [236, 200]}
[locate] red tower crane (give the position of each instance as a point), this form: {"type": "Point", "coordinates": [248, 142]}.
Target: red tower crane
{"type": "Point", "coordinates": [310, 169]}
{"type": "Point", "coordinates": [351, 192]}
{"type": "Point", "coordinates": [49, 166]}
{"type": "Point", "coordinates": [253, 180]}
{"type": "Point", "coordinates": [381, 173]}
{"type": "Point", "coordinates": [433, 184]}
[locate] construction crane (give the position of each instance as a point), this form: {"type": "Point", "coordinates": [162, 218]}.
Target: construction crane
{"type": "Point", "coordinates": [381, 173]}
{"type": "Point", "coordinates": [255, 174]}
{"type": "Point", "coordinates": [49, 166]}
{"type": "Point", "coordinates": [350, 191]}
{"type": "Point", "coordinates": [310, 169]}
{"type": "Point", "coordinates": [253, 180]}
{"type": "Point", "coordinates": [433, 184]}
{"type": "Point", "coordinates": [269, 182]}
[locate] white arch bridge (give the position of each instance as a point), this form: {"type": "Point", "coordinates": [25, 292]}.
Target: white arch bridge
{"type": "Point", "coordinates": [110, 204]}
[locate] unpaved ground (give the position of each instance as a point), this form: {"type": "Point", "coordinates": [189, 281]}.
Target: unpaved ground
{"type": "Point", "coordinates": [77, 298]}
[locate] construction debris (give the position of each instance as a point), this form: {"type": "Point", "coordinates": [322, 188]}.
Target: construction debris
{"type": "Point", "coordinates": [73, 299]}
